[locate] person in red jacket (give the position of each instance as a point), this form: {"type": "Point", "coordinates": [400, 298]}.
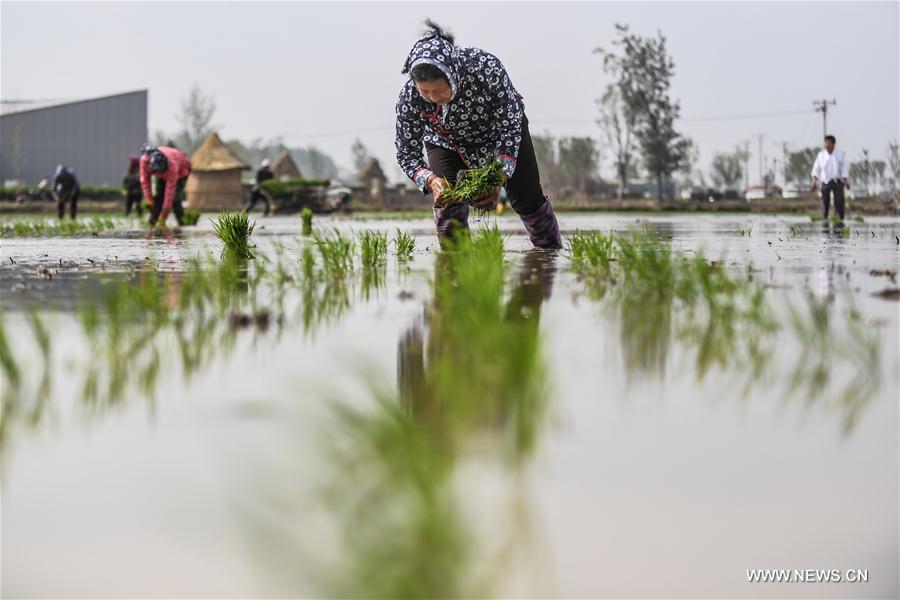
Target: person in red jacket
{"type": "Point", "coordinates": [171, 168]}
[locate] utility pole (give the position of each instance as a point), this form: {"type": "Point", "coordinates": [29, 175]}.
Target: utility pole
{"type": "Point", "coordinates": [822, 107]}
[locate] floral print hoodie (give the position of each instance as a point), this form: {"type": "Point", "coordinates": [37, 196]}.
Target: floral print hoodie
{"type": "Point", "coordinates": [482, 121]}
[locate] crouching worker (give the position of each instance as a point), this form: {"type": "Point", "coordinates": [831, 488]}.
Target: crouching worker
{"type": "Point", "coordinates": [258, 192]}
{"type": "Point", "coordinates": [171, 168]}
{"type": "Point", "coordinates": [461, 105]}
{"type": "Point", "coordinates": [131, 186]}
{"type": "Point", "coordinates": [65, 190]}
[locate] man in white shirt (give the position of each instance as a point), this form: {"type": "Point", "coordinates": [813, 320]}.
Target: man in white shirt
{"type": "Point", "coordinates": [831, 169]}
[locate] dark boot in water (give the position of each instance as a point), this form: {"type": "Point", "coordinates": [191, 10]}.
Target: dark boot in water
{"type": "Point", "coordinates": [542, 227]}
{"type": "Point", "coordinates": [451, 222]}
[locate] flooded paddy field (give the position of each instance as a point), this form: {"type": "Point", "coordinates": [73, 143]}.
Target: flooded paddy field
{"type": "Point", "coordinates": [662, 406]}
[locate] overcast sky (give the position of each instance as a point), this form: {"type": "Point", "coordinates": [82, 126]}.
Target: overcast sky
{"type": "Point", "coordinates": [323, 73]}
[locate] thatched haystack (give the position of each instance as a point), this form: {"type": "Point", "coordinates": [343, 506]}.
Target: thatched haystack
{"type": "Point", "coordinates": [215, 181]}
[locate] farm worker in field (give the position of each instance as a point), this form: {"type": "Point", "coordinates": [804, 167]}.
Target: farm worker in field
{"type": "Point", "coordinates": [460, 104]}
{"type": "Point", "coordinates": [131, 185]}
{"type": "Point", "coordinates": [830, 168]}
{"type": "Point", "coordinates": [171, 168]}
{"type": "Point", "coordinates": [258, 193]}
{"type": "Point", "coordinates": [65, 189]}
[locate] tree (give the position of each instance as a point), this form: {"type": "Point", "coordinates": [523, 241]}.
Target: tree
{"type": "Point", "coordinates": [617, 130]}
{"type": "Point", "coordinates": [578, 157]}
{"type": "Point", "coordinates": [862, 173]}
{"type": "Point", "coordinates": [548, 163]}
{"type": "Point", "coordinates": [644, 71]}
{"type": "Point", "coordinates": [893, 165]}
{"type": "Point", "coordinates": [799, 164]}
{"type": "Point", "coordinates": [726, 170]}
{"type": "Point", "coordinates": [197, 110]}
{"type": "Point", "coordinates": [688, 169]}
{"type": "Point", "coordinates": [360, 155]}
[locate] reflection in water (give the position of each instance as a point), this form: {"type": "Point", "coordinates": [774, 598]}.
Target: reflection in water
{"type": "Point", "coordinates": [147, 323]}
{"type": "Point", "coordinates": [471, 381]}
{"type": "Point", "coordinates": [666, 305]}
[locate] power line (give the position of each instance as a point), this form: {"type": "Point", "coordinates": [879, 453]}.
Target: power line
{"type": "Point", "coordinates": [787, 113]}
{"type": "Point", "coordinates": [822, 107]}
{"type": "Point", "coordinates": [540, 121]}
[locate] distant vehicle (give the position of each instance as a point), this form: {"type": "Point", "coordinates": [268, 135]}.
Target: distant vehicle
{"type": "Point", "coordinates": [699, 194]}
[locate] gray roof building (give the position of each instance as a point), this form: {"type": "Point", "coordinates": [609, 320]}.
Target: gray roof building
{"type": "Point", "coordinates": [93, 136]}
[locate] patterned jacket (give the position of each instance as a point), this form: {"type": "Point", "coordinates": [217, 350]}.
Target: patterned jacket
{"type": "Point", "coordinates": [482, 121]}
{"type": "Point", "coordinates": [179, 168]}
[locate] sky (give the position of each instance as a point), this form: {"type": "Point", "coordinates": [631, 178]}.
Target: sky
{"type": "Point", "coordinates": [323, 74]}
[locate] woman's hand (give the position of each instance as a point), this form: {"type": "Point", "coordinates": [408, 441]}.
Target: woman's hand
{"type": "Point", "coordinates": [436, 185]}
{"type": "Point", "coordinates": [489, 202]}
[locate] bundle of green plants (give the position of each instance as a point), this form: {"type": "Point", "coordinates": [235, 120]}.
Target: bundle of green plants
{"type": "Point", "coordinates": [373, 247]}
{"type": "Point", "coordinates": [404, 245]}
{"type": "Point", "coordinates": [474, 184]}
{"type": "Point", "coordinates": [278, 188]}
{"type": "Point", "coordinates": [306, 216]}
{"type": "Point", "coordinates": [190, 217]}
{"type": "Point", "coordinates": [234, 229]}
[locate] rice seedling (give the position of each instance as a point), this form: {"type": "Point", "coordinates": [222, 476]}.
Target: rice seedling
{"type": "Point", "coordinates": [48, 228]}
{"type": "Point", "coordinates": [816, 217]}
{"type": "Point", "coordinates": [336, 252]}
{"type": "Point", "coordinates": [473, 184]}
{"type": "Point", "coordinates": [858, 219]}
{"type": "Point", "coordinates": [190, 217]}
{"type": "Point", "coordinates": [404, 245]}
{"type": "Point", "coordinates": [234, 229]}
{"type": "Point", "coordinates": [373, 248]}
{"type": "Point", "coordinates": [745, 232]}
{"type": "Point", "coordinates": [591, 251]}
{"type": "Point", "coordinates": [795, 230]}
{"type": "Point", "coordinates": [10, 369]}
{"type": "Point", "coordinates": [306, 217]}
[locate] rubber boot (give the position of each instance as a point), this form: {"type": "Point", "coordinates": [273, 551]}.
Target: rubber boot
{"type": "Point", "coordinates": [543, 230]}
{"type": "Point", "coordinates": [451, 221]}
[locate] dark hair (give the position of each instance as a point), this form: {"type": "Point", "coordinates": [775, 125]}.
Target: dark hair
{"type": "Point", "coordinates": [830, 137]}
{"type": "Point", "coordinates": [427, 72]}
{"type": "Point", "coordinates": [433, 29]}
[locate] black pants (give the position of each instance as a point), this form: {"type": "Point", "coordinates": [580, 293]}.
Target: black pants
{"type": "Point", "coordinates": [523, 188]}
{"type": "Point", "coordinates": [134, 198]}
{"type": "Point", "coordinates": [177, 208]}
{"type": "Point", "coordinates": [257, 193]}
{"type": "Point", "coordinates": [837, 187]}
{"type": "Point", "coordinates": [70, 196]}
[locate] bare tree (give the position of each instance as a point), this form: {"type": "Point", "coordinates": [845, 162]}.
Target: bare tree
{"type": "Point", "coordinates": [197, 110]}
{"type": "Point", "coordinates": [360, 155]}
{"type": "Point", "coordinates": [726, 169]}
{"type": "Point", "coordinates": [617, 128]}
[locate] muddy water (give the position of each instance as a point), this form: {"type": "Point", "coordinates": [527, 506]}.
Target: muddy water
{"type": "Point", "coordinates": [604, 450]}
